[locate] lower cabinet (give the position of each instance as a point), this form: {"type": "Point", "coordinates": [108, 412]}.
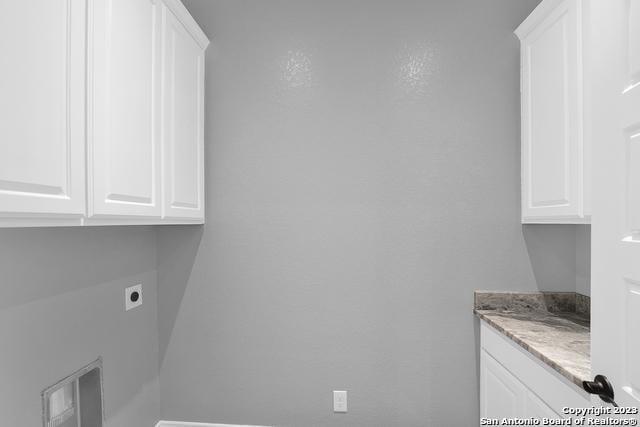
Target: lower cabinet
{"type": "Point", "coordinates": [502, 394]}
{"type": "Point", "coordinates": [513, 384]}
{"type": "Point", "coordinates": [534, 407]}
{"type": "Point", "coordinates": [505, 396]}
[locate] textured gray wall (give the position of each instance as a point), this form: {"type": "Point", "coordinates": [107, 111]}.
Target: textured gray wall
{"type": "Point", "coordinates": [62, 306]}
{"type": "Point", "coordinates": [362, 180]}
{"type": "Point", "coordinates": [583, 259]}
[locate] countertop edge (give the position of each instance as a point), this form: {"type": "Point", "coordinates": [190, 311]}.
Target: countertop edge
{"type": "Point", "coordinates": [526, 347]}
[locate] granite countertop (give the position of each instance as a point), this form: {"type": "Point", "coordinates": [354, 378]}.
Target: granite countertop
{"type": "Point", "coordinates": [554, 327]}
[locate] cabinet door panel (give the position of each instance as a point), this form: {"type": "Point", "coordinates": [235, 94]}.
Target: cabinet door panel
{"type": "Point", "coordinates": [501, 394]}
{"type": "Point", "coordinates": [42, 107]}
{"type": "Point", "coordinates": [124, 151]}
{"type": "Point", "coordinates": [552, 154]}
{"type": "Point", "coordinates": [183, 139]}
{"type": "Point", "coordinates": [536, 408]}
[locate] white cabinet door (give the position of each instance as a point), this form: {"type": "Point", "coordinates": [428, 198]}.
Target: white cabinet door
{"type": "Point", "coordinates": [552, 137]}
{"type": "Point", "coordinates": [42, 107]}
{"type": "Point", "coordinates": [183, 120]}
{"type": "Point", "coordinates": [123, 98]}
{"type": "Point", "coordinates": [536, 408]}
{"type": "Point", "coordinates": [501, 394]}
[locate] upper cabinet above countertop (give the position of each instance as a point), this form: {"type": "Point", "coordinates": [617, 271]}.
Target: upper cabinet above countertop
{"type": "Point", "coordinates": [555, 149]}
{"type": "Point", "coordinates": [105, 125]}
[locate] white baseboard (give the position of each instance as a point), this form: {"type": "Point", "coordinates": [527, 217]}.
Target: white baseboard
{"type": "Point", "coordinates": [186, 424]}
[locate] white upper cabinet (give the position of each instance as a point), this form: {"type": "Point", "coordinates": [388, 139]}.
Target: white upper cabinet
{"type": "Point", "coordinates": [182, 116]}
{"type": "Point", "coordinates": [123, 98]}
{"type": "Point", "coordinates": [105, 124]}
{"type": "Point", "coordinates": [42, 152]}
{"type": "Point", "coordinates": [555, 185]}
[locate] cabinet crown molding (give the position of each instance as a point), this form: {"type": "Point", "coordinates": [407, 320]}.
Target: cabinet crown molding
{"type": "Point", "coordinates": [532, 21]}
{"type": "Point", "coordinates": [188, 22]}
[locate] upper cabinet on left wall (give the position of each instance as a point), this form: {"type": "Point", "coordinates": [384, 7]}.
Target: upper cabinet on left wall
{"type": "Point", "coordinates": [124, 148]}
{"type": "Point", "coordinates": [42, 154]}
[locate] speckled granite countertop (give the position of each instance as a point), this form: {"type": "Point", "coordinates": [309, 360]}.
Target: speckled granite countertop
{"type": "Point", "coordinates": [554, 327]}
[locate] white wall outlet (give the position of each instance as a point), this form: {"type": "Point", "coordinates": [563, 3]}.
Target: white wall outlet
{"type": "Point", "coordinates": [339, 401]}
{"type": "Point", "coordinates": [133, 296]}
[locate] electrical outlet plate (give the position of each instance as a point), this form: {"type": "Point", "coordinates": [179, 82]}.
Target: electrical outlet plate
{"type": "Point", "coordinates": [339, 401]}
{"type": "Point", "coordinates": [129, 297]}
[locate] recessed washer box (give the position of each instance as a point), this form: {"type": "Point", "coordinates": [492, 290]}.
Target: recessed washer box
{"type": "Point", "coordinates": [133, 296]}
{"type": "Point", "coordinates": [75, 401]}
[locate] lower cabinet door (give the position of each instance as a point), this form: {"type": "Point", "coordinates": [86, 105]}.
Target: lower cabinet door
{"type": "Point", "coordinates": [501, 394]}
{"type": "Point", "coordinates": [536, 408]}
